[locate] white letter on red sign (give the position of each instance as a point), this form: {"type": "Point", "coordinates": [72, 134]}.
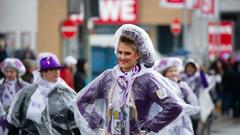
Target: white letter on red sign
{"type": "Point", "coordinates": [110, 10]}
{"type": "Point", "coordinates": [127, 12]}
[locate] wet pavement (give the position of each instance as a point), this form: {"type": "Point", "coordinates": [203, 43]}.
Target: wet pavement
{"type": "Point", "coordinates": [225, 125]}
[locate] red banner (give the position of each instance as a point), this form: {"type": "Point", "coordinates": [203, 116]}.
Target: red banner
{"type": "Point", "coordinates": [206, 8]}
{"type": "Point", "coordinates": [114, 12]}
{"type": "Point", "coordinates": [220, 39]}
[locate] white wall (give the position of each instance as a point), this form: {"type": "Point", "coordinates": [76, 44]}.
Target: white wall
{"type": "Point", "coordinates": [19, 16]}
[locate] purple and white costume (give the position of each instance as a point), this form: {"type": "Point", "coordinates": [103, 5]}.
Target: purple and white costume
{"type": "Point", "coordinates": [182, 125]}
{"type": "Point", "coordinates": [197, 81]}
{"type": "Point", "coordinates": [8, 90]}
{"type": "Point", "coordinates": [200, 84]}
{"type": "Point", "coordinates": [142, 87]}
{"type": "Point", "coordinates": [43, 108]}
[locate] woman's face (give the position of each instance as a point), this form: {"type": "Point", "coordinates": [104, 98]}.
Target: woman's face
{"type": "Point", "coordinates": [190, 69]}
{"type": "Point", "coordinates": [127, 56]}
{"type": "Point", "coordinates": [51, 75]}
{"type": "Point", "coordinates": [172, 73]}
{"type": "Point", "coordinates": [11, 73]}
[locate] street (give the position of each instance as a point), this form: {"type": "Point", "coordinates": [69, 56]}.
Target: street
{"type": "Point", "coordinates": [226, 126]}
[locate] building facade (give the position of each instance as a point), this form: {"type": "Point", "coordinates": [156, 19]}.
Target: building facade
{"type": "Point", "coordinates": [38, 25]}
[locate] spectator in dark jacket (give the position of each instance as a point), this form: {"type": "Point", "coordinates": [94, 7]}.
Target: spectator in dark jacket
{"type": "Point", "coordinates": [79, 77]}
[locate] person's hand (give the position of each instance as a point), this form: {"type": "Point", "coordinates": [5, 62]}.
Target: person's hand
{"type": "Point", "coordinates": [202, 68]}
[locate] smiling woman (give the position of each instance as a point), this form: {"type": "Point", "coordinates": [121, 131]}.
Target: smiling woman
{"type": "Point", "coordinates": [42, 107]}
{"type": "Point", "coordinates": [13, 69]}
{"type": "Point", "coordinates": [119, 101]}
{"type": "Point", "coordinates": [127, 53]}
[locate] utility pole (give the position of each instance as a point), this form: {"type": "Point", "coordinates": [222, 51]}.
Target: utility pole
{"type": "Point", "coordinates": [86, 46]}
{"type": "Point", "coordinates": [175, 43]}
{"type": "Point", "coordinates": [185, 20]}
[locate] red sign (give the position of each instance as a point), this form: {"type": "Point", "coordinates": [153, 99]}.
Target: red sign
{"type": "Point", "coordinates": [176, 27]}
{"type": "Point", "coordinates": [115, 12]}
{"type": "Point", "coordinates": [196, 4]}
{"type": "Point", "coordinates": [207, 7]}
{"type": "Point", "coordinates": [179, 4]}
{"type": "Point", "coordinates": [220, 38]}
{"type": "Point", "coordinates": [68, 29]}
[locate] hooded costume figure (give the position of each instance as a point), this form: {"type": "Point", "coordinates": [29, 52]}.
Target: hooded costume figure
{"type": "Point", "coordinates": [124, 103]}
{"type": "Point", "coordinates": [198, 82]}
{"type": "Point", "coordinates": [43, 108]}
{"type": "Point", "coordinates": [9, 88]}
{"type": "Point", "coordinates": [183, 124]}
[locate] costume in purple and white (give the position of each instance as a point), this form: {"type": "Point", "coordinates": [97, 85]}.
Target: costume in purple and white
{"type": "Point", "coordinates": [43, 108]}
{"type": "Point", "coordinates": [8, 89]}
{"type": "Point", "coordinates": [182, 125]}
{"type": "Point", "coordinates": [196, 81]}
{"type": "Point", "coordinates": [142, 87]}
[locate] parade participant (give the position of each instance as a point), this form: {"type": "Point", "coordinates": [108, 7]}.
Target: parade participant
{"type": "Point", "coordinates": [170, 68]}
{"type": "Point", "coordinates": [12, 68]}
{"type": "Point", "coordinates": [120, 100]}
{"type": "Point", "coordinates": [43, 108]}
{"type": "Point", "coordinates": [195, 77]}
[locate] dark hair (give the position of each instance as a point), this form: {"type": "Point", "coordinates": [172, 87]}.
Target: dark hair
{"type": "Point", "coordinates": [164, 72]}
{"type": "Point", "coordinates": [50, 69]}
{"type": "Point", "coordinates": [190, 64]}
{"type": "Point", "coordinates": [28, 63]}
{"type": "Point", "coordinates": [129, 41]}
